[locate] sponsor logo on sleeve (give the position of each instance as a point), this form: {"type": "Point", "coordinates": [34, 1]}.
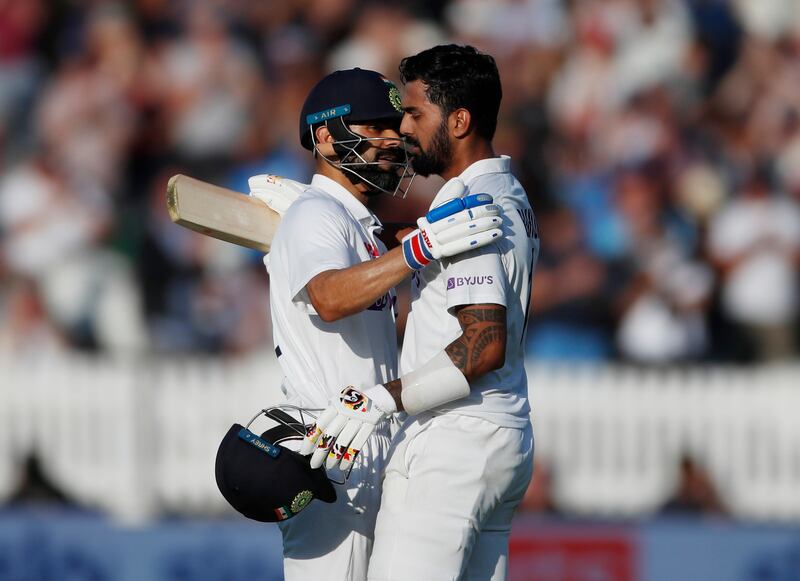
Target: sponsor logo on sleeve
{"type": "Point", "coordinates": [460, 281]}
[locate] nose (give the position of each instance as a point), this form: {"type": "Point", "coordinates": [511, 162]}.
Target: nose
{"type": "Point", "coordinates": [405, 125]}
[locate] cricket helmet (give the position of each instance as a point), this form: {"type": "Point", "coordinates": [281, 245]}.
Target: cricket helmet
{"type": "Point", "coordinates": [352, 97]}
{"type": "Point", "coordinates": [264, 480]}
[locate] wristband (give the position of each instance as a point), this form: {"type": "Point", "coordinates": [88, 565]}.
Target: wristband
{"type": "Point", "coordinates": [436, 383]}
{"type": "Point", "coordinates": [415, 251]}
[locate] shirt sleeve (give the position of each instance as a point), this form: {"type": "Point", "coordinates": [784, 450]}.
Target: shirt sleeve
{"type": "Point", "coordinates": [319, 240]}
{"type": "Point", "coordinates": [475, 277]}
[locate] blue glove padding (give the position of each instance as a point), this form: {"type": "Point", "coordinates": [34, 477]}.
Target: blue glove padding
{"type": "Point", "coordinates": [451, 207]}
{"type": "Point", "coordinates": [453, 227]}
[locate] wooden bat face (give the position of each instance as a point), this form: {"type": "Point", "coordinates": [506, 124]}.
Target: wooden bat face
{"type": "Point", "coordinates": [221, 213]}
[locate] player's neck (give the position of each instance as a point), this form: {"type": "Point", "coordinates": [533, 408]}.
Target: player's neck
{"type": "Point", "coordinates": [340, 178]}
{"type": "Point", "coordinates": [465, 153]}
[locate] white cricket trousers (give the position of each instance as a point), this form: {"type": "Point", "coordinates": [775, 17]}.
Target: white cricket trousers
{"type": "Point", "coordinates": [334, 541]}
{"type": "Point", "coordinates": [451, 487]}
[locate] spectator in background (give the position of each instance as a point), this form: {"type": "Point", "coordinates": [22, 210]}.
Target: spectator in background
{"type": "Point", "coordinates": [754, 242]}
{"type": "Point", "coordinates": [21, 72]}
{"type": "Point", "coordinates": [507, 25]}
{"type": "Point", "coordinates": [52, 228]}
{"type": "Point", "coordinates": [694, 493]}
{"type": "Point", "coordinates": [383, 34]}
{"type": "Point", "coordinates": [663, 302]}
{"type": "Point", "coordinates": [25, 328]}
{"type": "Point", "coordinates": [200, 294]}
{"type": "Point", "coordinates": [570, 302]}
{"type": "Point", "coordinates": [652, 39]}
{"type": "Point", "coordinates": [87, 117]}
{"type": "Point", "coordinates": [208, 83]}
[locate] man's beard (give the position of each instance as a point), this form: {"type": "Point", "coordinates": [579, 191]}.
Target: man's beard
{"type": "Point", "coordinates": [436, 159]}
{"type": "Point", "coordinates": [388, 179]}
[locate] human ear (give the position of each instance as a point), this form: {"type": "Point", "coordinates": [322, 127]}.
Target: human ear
{"type": "Point", "coordinates": [460, 122]}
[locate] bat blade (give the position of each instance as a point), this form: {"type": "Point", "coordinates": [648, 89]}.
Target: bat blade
{"type": "Point", "coordinates": [221, 213]}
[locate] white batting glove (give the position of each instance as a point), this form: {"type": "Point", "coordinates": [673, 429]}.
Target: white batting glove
{"type": "Point", "coordinates": [456, 225]}
{"type": "Point", "coordinates": [276, 192]}
{"type": "Point", "coordinates": [344, 427]}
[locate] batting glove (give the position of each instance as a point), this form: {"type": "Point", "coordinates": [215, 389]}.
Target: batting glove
{"type": "Point", "coordinates": [276, 192]}
{"type": "Point", "coordinates": [452, 227]}
{"type": "Point", "coordinates": [344, 427]}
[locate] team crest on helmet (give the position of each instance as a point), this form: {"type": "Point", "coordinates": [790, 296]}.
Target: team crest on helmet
{"type": "Point", "coordinates": [301, 500]}
{"type": "Point", "coordinates": [394, 96]}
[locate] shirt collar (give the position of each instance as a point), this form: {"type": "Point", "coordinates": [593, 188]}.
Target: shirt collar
{"type": "Point", "coordinates": [359, 211]}
{"type": "Point", "coordinates": [481, 167]}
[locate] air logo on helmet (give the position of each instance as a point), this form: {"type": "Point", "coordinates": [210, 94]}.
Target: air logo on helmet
{"type": "Point", "coordinates": [301, 500]}
{"type": "Point", "coordinates": [394, 96]}
{"type": "Point", "coordinates": [339, 111]}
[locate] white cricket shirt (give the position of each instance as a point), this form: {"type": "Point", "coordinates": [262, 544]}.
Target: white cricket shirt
{"type": "Point", "coordinates": [500, 273]}
{"type": "Point", "coordinates": [327, 228]}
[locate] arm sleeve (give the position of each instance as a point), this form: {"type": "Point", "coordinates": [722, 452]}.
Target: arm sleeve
{"type": "Point", "coordinates": [476, 277]}
{"type": "Point", "coordinates": [320, 241]}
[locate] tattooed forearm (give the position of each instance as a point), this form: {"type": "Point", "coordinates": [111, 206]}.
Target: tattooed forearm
{"type": "Point", "coordinates": [486, 338]}
{"type": "Point", "coordinates": [481, 346]}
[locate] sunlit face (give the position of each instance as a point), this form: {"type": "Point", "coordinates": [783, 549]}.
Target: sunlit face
{"type": "Point", "coordinates": [426, 131]}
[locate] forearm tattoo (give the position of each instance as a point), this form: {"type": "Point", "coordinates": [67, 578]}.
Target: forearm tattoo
{"type": "Point", "coordinates": [483, 326]}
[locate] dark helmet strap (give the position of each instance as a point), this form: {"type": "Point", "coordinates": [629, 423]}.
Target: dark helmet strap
{"type": "Point", "coordinates": [346, 151]}
{"type": "Point", "coordinates": [342, 133]}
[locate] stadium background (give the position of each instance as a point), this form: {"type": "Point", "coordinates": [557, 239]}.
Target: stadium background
{"type": "Point", "coordinates": [660, 144]}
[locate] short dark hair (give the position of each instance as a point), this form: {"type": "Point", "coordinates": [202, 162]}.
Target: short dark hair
{"type": "Point", "coordinates": [458, 77]}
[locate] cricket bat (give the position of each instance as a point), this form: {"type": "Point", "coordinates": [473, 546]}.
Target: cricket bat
{"type": "Point", "coordinates": [221, 213]}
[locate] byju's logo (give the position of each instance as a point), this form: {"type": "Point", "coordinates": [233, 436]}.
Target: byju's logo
{"type": "Point", "coordinates": [458, 281]}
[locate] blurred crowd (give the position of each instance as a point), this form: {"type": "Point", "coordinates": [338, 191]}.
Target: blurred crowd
{"type": "Point", "coordinates": [659, 141]}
